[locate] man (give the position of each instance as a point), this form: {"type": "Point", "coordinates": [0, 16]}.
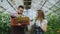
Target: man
{"type": "Point", "coordinates": [18, 28]}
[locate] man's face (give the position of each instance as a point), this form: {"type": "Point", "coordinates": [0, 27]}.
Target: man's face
{"type": "Point", "coordinates": [20, 10]}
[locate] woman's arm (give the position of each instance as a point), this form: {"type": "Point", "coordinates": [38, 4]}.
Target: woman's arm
{"type": "Point", "coordinates": [44, 28]}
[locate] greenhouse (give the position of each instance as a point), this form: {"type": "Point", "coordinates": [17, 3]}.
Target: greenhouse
{"type": "Point", "coordinates": [51, 9]}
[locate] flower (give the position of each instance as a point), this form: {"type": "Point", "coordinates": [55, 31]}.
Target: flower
{"type": "Point", "coordinates": [21, 19]}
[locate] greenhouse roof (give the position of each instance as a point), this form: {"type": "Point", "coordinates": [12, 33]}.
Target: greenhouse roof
{"type": "Point", "coordinates": [45, 5]}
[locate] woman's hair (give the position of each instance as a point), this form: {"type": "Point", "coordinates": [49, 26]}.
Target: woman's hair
{"type": "Point", "coordinates": [40, 14]}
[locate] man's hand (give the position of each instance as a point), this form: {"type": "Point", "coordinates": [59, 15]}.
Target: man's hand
{"type": "Point", "coordinates": [19, 24]}
{"type": "Point", "coordinates": [24, 23]}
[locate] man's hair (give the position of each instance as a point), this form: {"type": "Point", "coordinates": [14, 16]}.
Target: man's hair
{"type": "Point", "coordinates": [20, 6]}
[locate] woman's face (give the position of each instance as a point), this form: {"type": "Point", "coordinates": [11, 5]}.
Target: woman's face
{"type": "Point", "coordinates": [39, 14]}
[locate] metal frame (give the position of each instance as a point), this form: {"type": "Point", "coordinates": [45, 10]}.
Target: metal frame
{"type": "Point", "coordinates": [11, 5]}
{"type": "Point", "coordinates": [52, 6]}
{"type": "Point", "coordinates": [44, 3]}
{"type": "Point", "coordinates": [3, 7]}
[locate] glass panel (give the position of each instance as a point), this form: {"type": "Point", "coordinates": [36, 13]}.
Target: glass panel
{"type": "Point", "coordinates": [45, 9]}
{"type": "Point", "coordinates": [57, 11]}
{"type": "Point", "coordinates": [42, 2]}
{"type": "Point", "coordinates": [48, 5]}
{"type": "Point", "coordinates": [27, 0]}
{"type": "Point", "coordinates": [1, 0]}
{"type": "Point", "coordinates": [58, 4]}
{"type": "Point", "coordinates": [53, 1]}
{"type": "Point", "coordinates": [54, 8]}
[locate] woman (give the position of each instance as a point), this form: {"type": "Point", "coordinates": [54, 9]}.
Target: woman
{"type": "Point", "coordinates": [40, 24]}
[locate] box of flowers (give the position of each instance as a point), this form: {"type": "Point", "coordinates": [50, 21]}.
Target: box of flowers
{"type": "Point", "coordinates": [21, 19]}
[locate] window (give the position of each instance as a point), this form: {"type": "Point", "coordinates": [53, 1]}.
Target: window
{"type": "Point", "coordinates": [48, 5]}
{"type": "Point", "coordinates": [54, 8]}
{"type": "Point", "coordinates": [58, 4]}
{"type": "Point", "coordinates": [1, 0]}
{"type": "Point", "coordinates": [27, 4]}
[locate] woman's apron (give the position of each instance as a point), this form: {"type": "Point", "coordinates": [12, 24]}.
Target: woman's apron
{"type": "Point", "coordinates": [37, 30]}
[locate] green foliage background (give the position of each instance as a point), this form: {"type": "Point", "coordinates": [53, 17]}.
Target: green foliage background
{"type": "Point", "coordinates": [4, 23]}
{"type": "Point", "coordinates": [53, 23]}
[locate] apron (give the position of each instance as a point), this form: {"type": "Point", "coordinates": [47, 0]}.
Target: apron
{"type": "Point", "coordinates": [17, 30]}
{"type": "Point", "coordinates": [37, 30]}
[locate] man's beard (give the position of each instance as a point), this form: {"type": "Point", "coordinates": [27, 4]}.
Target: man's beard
{"type": "Point", "coordinates": [19, 13]}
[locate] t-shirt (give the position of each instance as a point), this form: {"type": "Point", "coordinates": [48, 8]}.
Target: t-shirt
{"type": "Point", "coordinates": [40, 24]}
